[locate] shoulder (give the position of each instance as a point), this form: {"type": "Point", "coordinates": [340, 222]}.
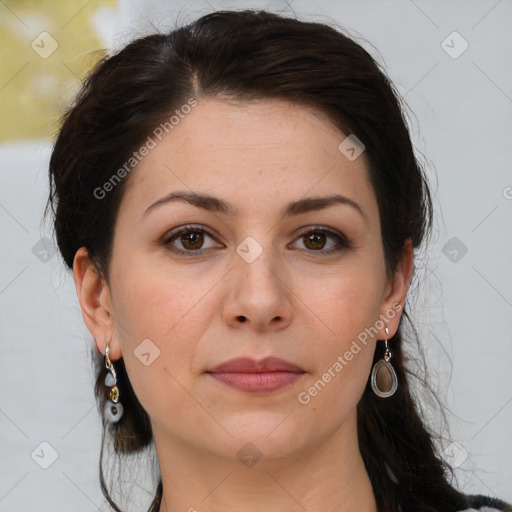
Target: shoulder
{"type": "Point", "coordinates": [479, 503]}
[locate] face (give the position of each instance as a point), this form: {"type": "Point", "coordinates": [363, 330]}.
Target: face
{"type": "Point", "coordinates": [246, 233]}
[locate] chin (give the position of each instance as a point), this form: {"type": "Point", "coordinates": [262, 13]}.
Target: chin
{"type": "Point", "coordinates": [266, 436]}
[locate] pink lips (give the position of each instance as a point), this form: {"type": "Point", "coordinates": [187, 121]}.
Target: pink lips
{"type": "Point", "coordinates": [245, 374]}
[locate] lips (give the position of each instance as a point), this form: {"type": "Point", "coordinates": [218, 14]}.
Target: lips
{"type": "Point", "coordinates": [264, 376]}
{"type": "Point", "coordinates": [248, 365]}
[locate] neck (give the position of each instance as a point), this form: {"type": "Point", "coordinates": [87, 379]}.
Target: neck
{"type": "Point", "coordinates": [330, 477]}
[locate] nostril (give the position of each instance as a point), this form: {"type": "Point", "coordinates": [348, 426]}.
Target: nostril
{"type": "Point", "coordinates": [241, 318]}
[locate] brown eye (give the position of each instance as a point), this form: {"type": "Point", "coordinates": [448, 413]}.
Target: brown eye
{"type": "Point", "coordinates": [314, 241]}
{"type": "Point", "coordinates": [192, 240]}
{"type": "Point", "coordinates": [322, 241]}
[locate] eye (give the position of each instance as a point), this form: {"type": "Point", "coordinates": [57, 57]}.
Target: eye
{"type": "Point", "coordinates": [190, 239]}
{"type": "Point", "coordinates": [322, 240]}
{"type": "Point", "coordinates": [194, 240]}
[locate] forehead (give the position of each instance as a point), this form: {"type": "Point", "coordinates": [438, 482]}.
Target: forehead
{"type": "Point", "coordinates": [266, 149]}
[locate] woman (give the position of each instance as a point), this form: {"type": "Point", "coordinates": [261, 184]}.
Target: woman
{"type": "Point", "coordinates": [240, 202]}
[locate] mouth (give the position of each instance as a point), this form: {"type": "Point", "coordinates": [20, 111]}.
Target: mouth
{"type": "Point", "coordinates": [258, 377]}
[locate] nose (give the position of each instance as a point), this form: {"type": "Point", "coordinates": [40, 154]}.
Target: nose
{"type": "Point", "coordinates": [257, 296]}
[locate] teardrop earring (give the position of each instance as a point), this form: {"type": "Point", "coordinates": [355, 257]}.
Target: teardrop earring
{"type": "Point", "coordinates": [113, 409]}
{"type": "Point", "coordinates": [383, 379]}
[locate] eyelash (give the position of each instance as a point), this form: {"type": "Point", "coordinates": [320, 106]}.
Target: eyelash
{"type": "Point", "coordinates": [341, 240]}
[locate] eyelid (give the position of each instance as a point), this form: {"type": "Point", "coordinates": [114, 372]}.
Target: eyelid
{"type": "Point", "coordinates": [342, 241]}
{"type": "Point", "coordinates": [185, 228]}
{"type": "Point", "coordinates": [176, 232]}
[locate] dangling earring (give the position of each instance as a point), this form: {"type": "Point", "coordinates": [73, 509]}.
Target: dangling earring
{"type": "Point", "coordinates": [383, 380]}
{"type": "Point", "coordinates": [113, 409]}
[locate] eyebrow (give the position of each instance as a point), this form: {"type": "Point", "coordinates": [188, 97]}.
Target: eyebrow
{"type": "Point", "coordinates": [215, 204]}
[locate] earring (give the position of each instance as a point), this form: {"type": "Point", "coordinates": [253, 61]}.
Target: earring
{"type": "Point", "coordinates": [384, 380]}
{"type": "Point", "coordinates": [113, 409]}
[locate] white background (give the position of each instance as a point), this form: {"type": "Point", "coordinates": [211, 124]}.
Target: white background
{"type": "Point", "coordinates": [463, 124]}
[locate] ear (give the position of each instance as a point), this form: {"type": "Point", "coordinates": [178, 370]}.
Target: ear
{"type": "Point", "coordinates": [396, 291]}
{"type": "Point", "coordinates": [96, 304]}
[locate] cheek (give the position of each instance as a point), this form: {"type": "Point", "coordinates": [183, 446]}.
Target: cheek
{"type": "Point", "coordinates": [346, 308]}
{"type": "Point", "coordinates": [154, 303]}
{"type": "Point", "coordinates": [158, 318]}
{"type": "Point", "coordinates": [174, 323]}
{"type": "Point", "coordinates": [345, 304]}
{"type": "Point", "coordinates": [342, 356]}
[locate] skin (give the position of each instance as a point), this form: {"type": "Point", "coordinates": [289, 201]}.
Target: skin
{"type": "Point", "coordinates": [299, 304]}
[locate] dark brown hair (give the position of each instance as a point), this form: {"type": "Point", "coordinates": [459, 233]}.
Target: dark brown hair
{"type": "Point", "coordinates": [246, 56]}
